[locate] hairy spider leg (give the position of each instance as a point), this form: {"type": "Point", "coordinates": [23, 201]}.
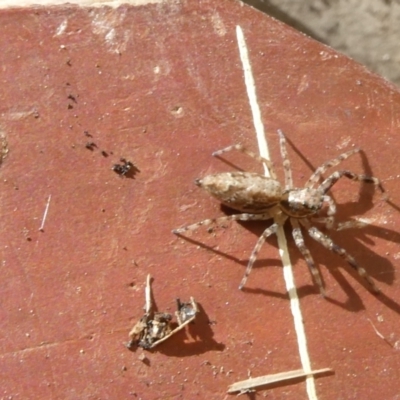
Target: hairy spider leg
{"type": "Point", "coordinates": [328, 243]}
{"type": "Point", "coordinates": [316, 176]}
{"type": "Point", "coordinates": [286, 162]}
{"type": "Point", "coordinates": [332, 179]}
{"type": "Point", "coordinates": [242, 149]}
{"type": "Point", "coordinates": [299, 241]}
{"type": "Point", "coordinates": [351, 224]}
{"type": "Point", "coordinates": [328, 221]}
{"type": "Point", "coordinates": [327, 184]}
{"type": "Point", "coordinates": [261, 240]}
{"type": "Point", "coordinates": [234, 217]}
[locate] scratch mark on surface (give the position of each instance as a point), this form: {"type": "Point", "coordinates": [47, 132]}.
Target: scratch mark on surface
{"type": "Point", "coordinates": [304, 84]}
{"type": "Point", "coordinates": [61, 28]}
{"type": "Point", "coordinates": [107, 23]}
{"type": "Point", "coordinates": [81, 3]}
{"type": "Point", "coordinates": [218, 24]}
{"type": "Point", "coordinates": [251, 93]}
{"type": "Point", "coordinates": [3, 147]}
{"type": "Point", "coordinates": [283, 249]}
{"type": "Point", "coordinates": [379, 334]}
{"type": "Point", "coordinates": [18, 115]}
{"type": "Point", "coordinates": [343, 142]}
{"type": "Point", "coordinates": [45, 214]}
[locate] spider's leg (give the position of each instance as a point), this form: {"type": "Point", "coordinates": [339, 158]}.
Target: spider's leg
{"type": "Point", "coordinates": [242, 149]}
{"type": "Point", "coordinates": [234, 217]}
{"type": "Point", "coordinates": [328, 221]}
{"type": "Point", "coordinates": [351, 224]}
{"type": "Point", "coordinates": [316, 176]}
{"type": "Point", "coordinates": [330, 245]}
{"type": "Point", "coordinates": [286, 162]}
{"type": "Point", "coordinates": [269, 231]}
{"type": "Point", "coordinates": [299, 240]}
{"type": "Point", "coordinates": [332, 179]}
{"type": "Point", "coordinates": [341, 226]}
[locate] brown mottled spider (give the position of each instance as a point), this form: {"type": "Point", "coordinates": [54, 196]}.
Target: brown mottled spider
{"type": "Point", "coordinates": [258, 197]}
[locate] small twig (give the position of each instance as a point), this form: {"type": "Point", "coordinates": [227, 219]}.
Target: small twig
{"type": "Point", "coordinates": [249, 384]}
{"type": "Point", "coordinates": [379, 334]}
{"type": "Point", "coordinates": [147, 293]}
{"type": "Point", "coordinates": [41, 229]}
{"type": "Point", "coordinates": [187, 322]}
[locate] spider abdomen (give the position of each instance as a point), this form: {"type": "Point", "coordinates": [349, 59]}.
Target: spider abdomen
{"type": "Point", "coordinates": [243, 191]}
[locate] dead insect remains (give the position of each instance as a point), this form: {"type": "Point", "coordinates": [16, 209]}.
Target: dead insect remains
{"type": "Point", "coordinates": [258, 197]}
{"type": "Point", "coordinates": [155, 327]}
{"type": "Point", "coordinates": [127, 168]}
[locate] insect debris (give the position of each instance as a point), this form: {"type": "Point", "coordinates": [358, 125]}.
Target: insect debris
{"type": "Point", "coordinates": [127, 168]}
{"type": "Point", "coordinates": [258, 197]}
{"type": "Point", "coordinates": [156, 327]}
{"type": "Point", "coordinates": [91, 145]}
{"type": "Point", "coordinates": [72, 97]}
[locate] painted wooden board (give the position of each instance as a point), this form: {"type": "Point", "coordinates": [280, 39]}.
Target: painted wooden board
{"type": "Point", "coordinates": [163, 86]}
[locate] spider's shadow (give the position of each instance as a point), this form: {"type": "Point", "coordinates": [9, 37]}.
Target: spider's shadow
{"type": "Point", "coordinates": [378, 267]}
{"type": "Point", "coordinates": [383, 269]}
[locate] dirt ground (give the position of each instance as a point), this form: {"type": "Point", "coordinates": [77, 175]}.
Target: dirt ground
{"type": "Point", "coordinates": [368, 32]}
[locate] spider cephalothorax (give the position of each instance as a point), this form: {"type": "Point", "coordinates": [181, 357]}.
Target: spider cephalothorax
{"type": "Point", "coordinates": [259, 197]}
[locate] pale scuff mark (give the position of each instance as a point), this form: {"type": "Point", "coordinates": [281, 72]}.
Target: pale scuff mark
{"type": "Point", "coordinates": [161, 69]}
{"type": "Point", "coordinates": [128, 77]}
{"type": "Point", "coordinates": [108, 24]}
{"type": "Point", "coordinates": [325, 55]}
{"type": "Point", "coordinates": [396, 256]}
{"type": "Point", "coordinates": [379, 334]}
{"type": "Point", "coordinates": [110, 36]}
{"type": "Point", "coordinates": [20, 114]}
{"type": "Point", "coordinates": [46, 210]}
{"type": "Point", "coordinates": [178, 111]}
{"type": "Point", "coordinates": [304, 84]}
{"type": "Point", "coordinates": [343, 142]}
{"type": "Point", "coordinates": [186, 207]}
{"type": "Point", "coordinates": [82, 3]}
{"type": "Point", "coordinates": [61, 28]}
{"type": "Point", "coordinates": [218, 24]}
{"type": "Point", "coordinates": [3, 147]}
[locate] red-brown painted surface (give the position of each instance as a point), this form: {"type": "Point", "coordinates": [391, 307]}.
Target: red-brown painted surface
{"type": "Point", "coordinates": [162, 86]}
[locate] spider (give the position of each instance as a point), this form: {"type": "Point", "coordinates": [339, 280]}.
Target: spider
{"type": "Point", "coordinates": [258, 197]}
